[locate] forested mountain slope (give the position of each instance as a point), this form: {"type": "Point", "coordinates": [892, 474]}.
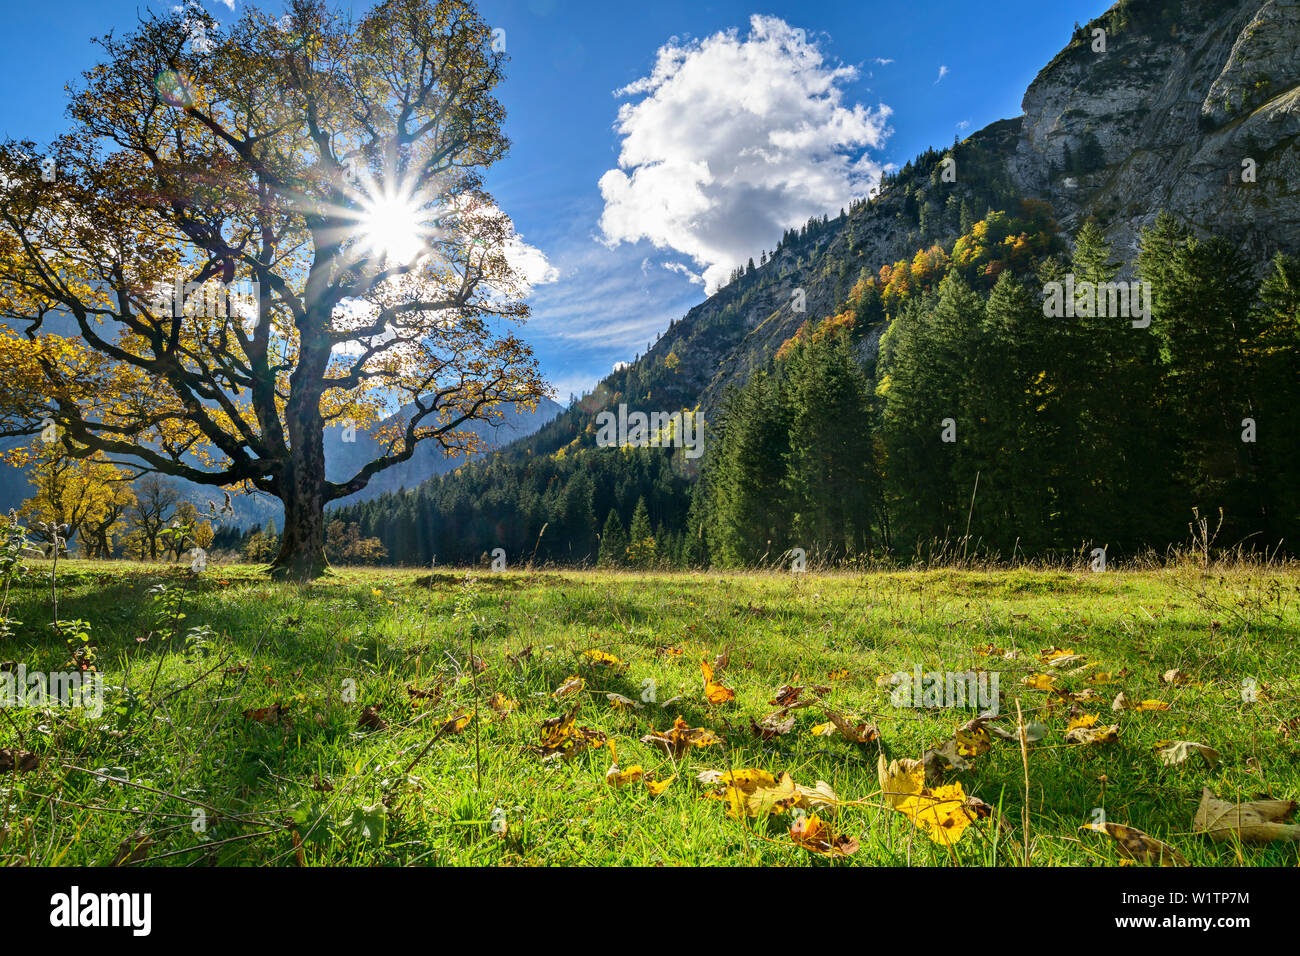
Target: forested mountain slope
{"type": "Point", "coordinates": [1185, 92]}
{"type": "Point", "coordinates": [1179, 107]}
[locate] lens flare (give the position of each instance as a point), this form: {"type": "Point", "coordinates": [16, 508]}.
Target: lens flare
{"type": "Point", "coordinates": [392, 226]}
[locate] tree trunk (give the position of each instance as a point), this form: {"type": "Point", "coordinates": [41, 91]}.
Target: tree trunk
{"type": "Point", "coordinates": [302, 544]}
{"type": "Point", "coordinates": [302, 541]}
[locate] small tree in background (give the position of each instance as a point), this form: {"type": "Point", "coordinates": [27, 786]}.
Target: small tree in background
{"type": "Point", "coordinates": [641, 537]}
{"type": "Point", "coordinates": [613, 542]}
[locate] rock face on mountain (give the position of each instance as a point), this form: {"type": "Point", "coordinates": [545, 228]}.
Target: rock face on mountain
{"type": "Point", "coordinates": [1190, 106]}
{"type": "Point", "coordinates": [1196, 109]}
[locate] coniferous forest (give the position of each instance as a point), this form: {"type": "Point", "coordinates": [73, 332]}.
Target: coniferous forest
{"type": "Point", "coordinates": [981, 425]}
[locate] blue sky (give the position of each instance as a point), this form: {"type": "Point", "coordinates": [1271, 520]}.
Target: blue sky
{"type": "Point", "coordinates": [737, 121]}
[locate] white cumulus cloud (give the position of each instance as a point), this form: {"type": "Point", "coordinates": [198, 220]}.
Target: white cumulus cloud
{"type": "Point", "coordinates": [734, 140]}
{"type": "Point", "coordinates": [529, 262]}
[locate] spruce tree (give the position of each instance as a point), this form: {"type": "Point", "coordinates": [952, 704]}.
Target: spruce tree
{"type": "Point", "coordinates": [829, 480]}
{"type": "Point", "coordinates": [641, 537]}
{"type": "Point", "coordinates": [1211, 381]}
{"type": "Point", "coordinates": [923, 373]}
{"type": "Point", "coordinates": [613, 542]}
{"type": "Point", "coordinates": [1275, 453]}
{"type": "Point", "coordinates": [747, 511]}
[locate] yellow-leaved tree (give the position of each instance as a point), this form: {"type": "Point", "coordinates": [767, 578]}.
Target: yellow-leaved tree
{"type": "Point", "coordinates": [87, 495]}
{"type": "Point", "coordinates": [256, 230]}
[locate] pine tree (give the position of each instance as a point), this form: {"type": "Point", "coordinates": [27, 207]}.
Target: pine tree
{"type": "Point", "coordinates": [830, 478]}
{"type": "Point", "coordinates": [1209, 297]}
{"type": "Point", "coordinates": [746, 510]}
{"type": "Point", "coordinates": [613, 542]}
{"type": "Point", "coordinates": [923, 373]}
{"type": "Point", "coordinates": [641, 538]}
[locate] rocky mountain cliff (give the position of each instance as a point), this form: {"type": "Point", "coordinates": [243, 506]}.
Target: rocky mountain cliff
{"type": "Point", "coordinates": [1189, 101]}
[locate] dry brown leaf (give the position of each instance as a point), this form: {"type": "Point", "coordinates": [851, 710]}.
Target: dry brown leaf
{"type": "Point", "coordinates": [24, 760]}
{"type": "Point", "coordinates": [937, 759]}
{"type": "Point", "coordinates": [818, 797]}
{"type": "Point", "coordinates": [570, 686]}
{"type": "Point", "coordinates": [788, 696]}
{"type": "Point", "coordinates": [370, 719]}
{"type": "Point", "coordinates": [811, 833]}
{"type": "Point", "coordinates": [433, 693]}
{"type": "Point", "coordinates": [1179, 751]}
{"type": "Point", "coordinates": [275, 714]}
{"type": "Point", "coordinates": [134, 849]}
{"type": "Point", "coordinates": [862, 733]}
{"type": "Point", "coordinates": [773, 725]}
{"type": "Point", "coordinates": [1256, 821]}
{"type": "Point", "coordinates": [1136, 845]}
{"type": "Point", "coordinates": [978, 808]}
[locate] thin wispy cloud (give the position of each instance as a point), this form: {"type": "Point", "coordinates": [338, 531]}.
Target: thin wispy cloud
{"type": "Point", "coordinates": [605, 306]}
{"type": "Point", "coordinates": [683, 270]}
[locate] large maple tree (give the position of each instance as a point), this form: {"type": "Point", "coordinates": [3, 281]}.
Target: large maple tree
{"type": "Point", "coordinates": [254, 231]}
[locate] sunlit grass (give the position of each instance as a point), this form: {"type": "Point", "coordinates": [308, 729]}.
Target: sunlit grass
{"type": "Point", "coordinates": [362, 637]}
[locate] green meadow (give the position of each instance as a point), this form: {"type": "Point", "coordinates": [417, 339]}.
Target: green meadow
{"type": "Point", "coordinates": [393, 718]}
